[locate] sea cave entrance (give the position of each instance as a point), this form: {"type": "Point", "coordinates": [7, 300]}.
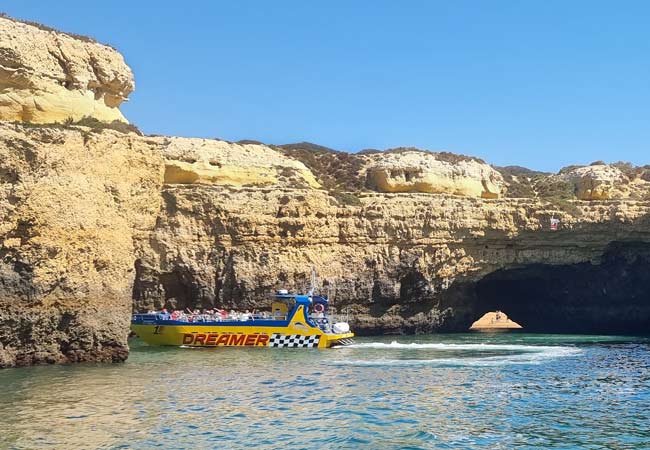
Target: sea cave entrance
{"type": "Point", "coordinates": [612, 297]}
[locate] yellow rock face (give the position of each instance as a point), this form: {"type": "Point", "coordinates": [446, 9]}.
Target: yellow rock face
{"type": "Point", "coordinates": [234, 245]}
{"type": "Point", "coordinates": [179, 172]}
{"type": "Point", "coordinates": [48, 77]}
{"type": "Point", "coordinates": [71, 203]}
{"type": "Point", "coordinates": [424, 172]}
{"type": "Point", "coordinates": [209, 161]}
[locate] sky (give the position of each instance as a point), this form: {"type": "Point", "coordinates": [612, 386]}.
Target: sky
{"type": "Point", "coordinates": [541, 84]}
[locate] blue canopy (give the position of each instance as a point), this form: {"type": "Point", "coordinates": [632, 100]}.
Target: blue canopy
{"type": "Point", "coordinates": [304, 299]}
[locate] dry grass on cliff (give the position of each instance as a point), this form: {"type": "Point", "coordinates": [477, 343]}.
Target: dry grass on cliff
{"type": "Point", "coordinates": [452, 158]}
{"type": "Point", "coordinates": [40, 26]}
{"type": "Point", "coordinates": [116, 125]}
{"type": "Point", "coordinates": [526, 183]}
{"type": "Point", "coordinates": [633, 172]}
{"type": "Point", "coordinates": [553, 188]}
{"type": "Point", "coordinates": [346, 198]}
{"type": "Point", "coordinates": [89, 122]}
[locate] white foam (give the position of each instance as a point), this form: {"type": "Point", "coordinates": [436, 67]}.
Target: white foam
{"type": "Point", "coordinates": [524, 354]}
{"type": "Point", "coordinates": [441, 346]}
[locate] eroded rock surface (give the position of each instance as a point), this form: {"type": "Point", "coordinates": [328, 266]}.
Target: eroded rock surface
{"type": "Point", "coordinates": [419, 171]}
{"type": "Point", "coordinates": [71, 203]}
{"type": "Point", "coordinates": [209, 161]}
{"type": "Point", "coordinates": [89, 231]}
{"type": "Point", "coordinates": [48, 76]}
{"type": "Point", "coordinates": [597, 182]}
{"type": "Point", "coordinates": [396, 261]}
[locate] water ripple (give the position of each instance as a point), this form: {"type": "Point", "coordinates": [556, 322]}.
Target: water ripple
{"type": "Point", "coordinates": [462, 391]}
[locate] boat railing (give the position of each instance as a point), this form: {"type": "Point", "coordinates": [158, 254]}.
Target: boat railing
{"type": "Point", "coordinates": [153, 317]}
{"type": "Point", "coordinates": [324, 321]}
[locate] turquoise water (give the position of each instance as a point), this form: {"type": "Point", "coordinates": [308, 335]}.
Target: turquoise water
{"type": "Point", "coordinates": [442, 391]}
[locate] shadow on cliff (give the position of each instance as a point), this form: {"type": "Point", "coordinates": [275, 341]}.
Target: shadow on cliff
{"type": "Point", "coordinates": [612, 297]}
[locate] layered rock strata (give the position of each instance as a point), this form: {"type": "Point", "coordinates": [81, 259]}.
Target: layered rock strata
{"type": "Point", "coordinates": [395, 262]}
{"type": "Point", "coordinates": [89, 227]}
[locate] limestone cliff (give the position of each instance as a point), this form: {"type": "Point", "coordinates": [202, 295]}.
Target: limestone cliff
{"type": "Point", "coordinates": [399, 262]}
{"type": "Point", "coordinates": [71, 203]}
{"type": "Point", "coordinates": [48, 76]}
{"type": "Point", "coordinates": [92, 221]}
{"type": "Point", "coordinates": [602, 182]}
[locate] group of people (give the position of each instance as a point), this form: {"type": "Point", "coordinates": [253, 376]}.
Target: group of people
{"type": "Point", "coordinates": [211, 315]}
{"type": "Point", "coordinates": [221, 315]}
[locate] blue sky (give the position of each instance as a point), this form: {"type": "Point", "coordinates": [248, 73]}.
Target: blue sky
{"type": "Point", "coordinates": [541, 84]}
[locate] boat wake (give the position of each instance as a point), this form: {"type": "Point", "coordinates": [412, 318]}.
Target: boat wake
{"type": "Point", "coordinates": [438, 354]}
{"type": "Point", "coordinates": [441, 346]}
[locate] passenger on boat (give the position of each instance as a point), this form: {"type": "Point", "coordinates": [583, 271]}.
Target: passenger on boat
{"type": "Point", "coordinates": [217, 315]}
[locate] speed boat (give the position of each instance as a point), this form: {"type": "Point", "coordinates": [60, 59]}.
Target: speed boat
{"type": "Point", "coordinates": [295, 321]}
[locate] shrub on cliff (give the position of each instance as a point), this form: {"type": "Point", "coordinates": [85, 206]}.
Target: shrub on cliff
{"type": "Point", "coordinates": [555, 189]}
{"type": "Point", "coordinates": [116, 125]}
{"type": "Point", "coordinates": [520, 181]}
{"type": "Point", "coordinates": [632, 172]}
{"type": "Point", "coordinates": [645, 175]}
{"type": "Point", "coordinates": [335, 170]}
{"type": "Point", "coordinates": [452, 158]}
{"type": "Point", "coordinates": [569, 168]}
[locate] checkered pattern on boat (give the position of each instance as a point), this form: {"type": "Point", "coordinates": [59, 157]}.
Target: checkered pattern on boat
{"type": "Point", "coordinates": [293, 341]}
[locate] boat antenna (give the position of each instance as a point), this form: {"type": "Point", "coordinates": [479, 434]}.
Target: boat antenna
{"type": "Point", "coordinates": [313, 282]}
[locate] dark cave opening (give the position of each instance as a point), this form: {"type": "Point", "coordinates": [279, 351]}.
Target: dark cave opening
{"type": "Point", "coordinates": [612, 297]}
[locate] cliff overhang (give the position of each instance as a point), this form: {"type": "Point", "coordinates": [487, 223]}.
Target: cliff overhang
{"type": "Point", "coordinates": [48, 76]}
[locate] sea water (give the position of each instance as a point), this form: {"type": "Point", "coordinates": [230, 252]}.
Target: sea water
{"type": "Point", "coordinates": [442, 391]}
